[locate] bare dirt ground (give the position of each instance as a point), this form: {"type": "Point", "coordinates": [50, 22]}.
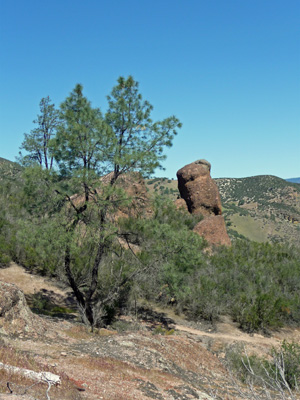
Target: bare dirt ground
{"type": "Point", "coordinates": [137, 363]}
{"type": "Point", "coordinates": [27, 282]}
{"type": "Point", "coordinates": [228, 333]}
{"type": "Point", "coordinates": [32, 284]}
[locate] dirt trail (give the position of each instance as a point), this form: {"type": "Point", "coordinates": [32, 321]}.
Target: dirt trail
{"type": "Point", "coordinates": [27, 282]}
{"type": "Point", "coordinates": [225, 332]}
{"type": "Point", "coordinates": [32, 285]}
{"type": "Point", "coordinates": [233, 336]}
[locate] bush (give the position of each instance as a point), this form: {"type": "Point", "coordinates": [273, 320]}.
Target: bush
{"type": "Point", "coordinates": [287, 360]}
{"type": "Point", "coordinates": [5, 246]}
{"type": "Point", "coordinates": [281, 372]}
{"type": "Point", "coordinates": [256, 283]}
{"type": "Point", "coordinates": [241, 364]}
{"type": "Point", "coordinates": [159, 330]}
{"type": "Point", "coordinates": [259, 283]}
{"type": "Point", "coordinates": [258, 312]}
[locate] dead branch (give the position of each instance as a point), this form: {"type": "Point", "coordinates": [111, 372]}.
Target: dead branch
{"type": "Point", "coordinates": [44, 377]}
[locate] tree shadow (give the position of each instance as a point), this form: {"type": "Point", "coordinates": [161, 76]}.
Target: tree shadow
{"type": "Point", "coordinates": [47, 302]}
{"type": "Point", "coordinates": [155, 318]}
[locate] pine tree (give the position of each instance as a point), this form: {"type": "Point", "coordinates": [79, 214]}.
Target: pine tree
{"type": "Point", "coordinates": [86, 147]}
{"type": "Point", "coordinates": [38, 143]}
{"type": "Point", "coordinates": [138, 141]}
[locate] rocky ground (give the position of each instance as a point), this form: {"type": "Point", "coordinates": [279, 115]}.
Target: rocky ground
{"type": "Point", "coordinates": [159, 356]}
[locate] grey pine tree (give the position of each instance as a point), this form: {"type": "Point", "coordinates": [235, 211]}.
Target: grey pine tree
{"type": "Point", "coordinates": [37, 143]}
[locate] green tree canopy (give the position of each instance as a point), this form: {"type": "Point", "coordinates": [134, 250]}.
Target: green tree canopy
{"type": "Point", "coordinates": [85, 147]}
{"type": "Point", "coordinates": [138, 142]}
{"type": "Point", "coordinates": [38, 143]}
{"type": "Point", "coordinates": [82, 141]}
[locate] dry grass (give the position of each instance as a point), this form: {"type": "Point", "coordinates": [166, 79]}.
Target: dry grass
{"type": "Point", "coordinates": [124, 371]}
{"type": "Point", "coordinates": [81, 332]}
{"type": "Point", "coordinates": [21, 385]}
{"type": "Point", "coordinates": [78, 332]}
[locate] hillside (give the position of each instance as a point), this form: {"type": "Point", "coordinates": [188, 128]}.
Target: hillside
{"type": "Point", "coordinates": [8, 169]}
{"type": "Point", "coordinates": [163, 187]}
{"type": "Point", "coordinates": [157, 355]}
{"type": "Point", "coordinates": [182, 305]}
{"type": "Point", "coordinates": [261, 208]}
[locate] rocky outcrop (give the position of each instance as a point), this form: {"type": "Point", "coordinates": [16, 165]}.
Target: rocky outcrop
{"type": "Point", "coordinates": [198, 189]}
{"type": "Point", "coordinates": [135, 197]}
{"type": "Point", "coordinates": [135, 188]}
{"type": "Point", "coordinates": [201, 195]}
{"type": "Point", "coordinates": [15, 315]}
{"type": "Point", "coordinates": [180, 204]}
{"type": "Point", "coordinates": [213, 229]}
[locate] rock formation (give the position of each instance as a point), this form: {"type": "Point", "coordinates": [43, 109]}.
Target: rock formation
{"type": "Point", "coordinates": [134, 188]}
{"type": "Point", "coordinates": [198, 189]}
{"type": "Point", "coordinates": [181, 204]}
{"type": "Point", "coordinates": [213, 229]}
{"type": "Point", "coordinates": [201, 196]}
{"type": "Point", "coordinates": [15, 315]}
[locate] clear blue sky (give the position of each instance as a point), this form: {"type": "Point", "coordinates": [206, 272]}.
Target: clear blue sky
{"type": "Point", "coordinates": [228, 69]}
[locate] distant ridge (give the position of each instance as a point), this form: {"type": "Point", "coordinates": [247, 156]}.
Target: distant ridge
{"type": "Point", "coordinates": [293, 180]}
{"type": "Point", "coordinates": [4, 160]}
{"type": "Point", "coordinates": [262, 208]}
{"type": "Point", "coordinates": [9, 169]}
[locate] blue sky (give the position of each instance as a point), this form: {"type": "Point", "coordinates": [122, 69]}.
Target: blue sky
{"type": "Point", "coordinates": [228, 69]}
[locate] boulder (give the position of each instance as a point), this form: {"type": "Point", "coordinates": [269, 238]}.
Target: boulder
{"type": "Point", "coordinates": [198, 189]}
{"type": "Point", "coordinates": [15, 315]}
{"type": "Point", "coordinates": [213, 229]}
{"type": "Point", "coordinates": [134, 188]}
{"type": "Point", "coordinates": [201, 196]}
{"type": "Point", "coordinates": [180, 204]}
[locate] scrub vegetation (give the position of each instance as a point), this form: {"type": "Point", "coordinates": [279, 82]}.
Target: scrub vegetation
{"type": "Point", "coordinates": [59, 217]}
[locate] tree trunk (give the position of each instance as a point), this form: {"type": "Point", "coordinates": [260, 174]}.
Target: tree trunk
{"type": "Point", "coordinates": [84, 306]}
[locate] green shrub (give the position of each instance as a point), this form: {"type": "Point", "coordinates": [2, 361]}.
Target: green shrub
{"type": "Point", "coordinates": [42, 304]}
{"type": "Point", "coordinates": [159, 330]}
{"type": "Point", "coordinates": [258, 312]}
{"type": "Point", "coordinates": [4, 260]}
{"type": "Point", "coordinates": [125, 326]}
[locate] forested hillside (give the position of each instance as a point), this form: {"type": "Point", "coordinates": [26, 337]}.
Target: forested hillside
{"type": "Point", "coordinates": [9, 170]}
{"type": "Point", "coordinates": [251, 282]}
{"type": "Point", "coordinates": [115, 243]}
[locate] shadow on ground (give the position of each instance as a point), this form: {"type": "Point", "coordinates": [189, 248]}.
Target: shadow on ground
{"type": "Point", "coordinates": [47, 302]}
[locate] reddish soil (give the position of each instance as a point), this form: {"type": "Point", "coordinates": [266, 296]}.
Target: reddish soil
{"type": "Point", "coordinates": [137, 363]}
